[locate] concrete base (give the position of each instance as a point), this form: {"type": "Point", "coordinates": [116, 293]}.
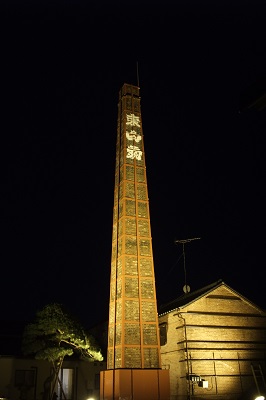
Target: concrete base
{"type": "Point", "coordinates": [135, 384]}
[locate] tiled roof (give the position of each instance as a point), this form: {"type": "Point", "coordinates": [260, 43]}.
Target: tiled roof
{"type": "Point", "coordinates": [187, 298]}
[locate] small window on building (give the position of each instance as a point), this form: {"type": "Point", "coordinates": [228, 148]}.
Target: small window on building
{"type": "Point", "coordinates": [24, 378]}
{"type": "Point", "coordinates": [163, 334]}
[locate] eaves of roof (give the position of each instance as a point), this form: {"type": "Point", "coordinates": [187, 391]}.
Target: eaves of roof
{"type": "Point", "coordinates": [188, 298]}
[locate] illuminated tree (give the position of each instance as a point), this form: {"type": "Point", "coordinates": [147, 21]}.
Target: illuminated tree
{"type": "Point", "coordinates": [53, 335]}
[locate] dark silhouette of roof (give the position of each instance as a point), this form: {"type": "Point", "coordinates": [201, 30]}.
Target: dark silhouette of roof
{"type": "Point", "coordinates": [188, 297]}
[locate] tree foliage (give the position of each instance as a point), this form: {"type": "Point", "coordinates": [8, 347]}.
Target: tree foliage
{"type": "Point", "coordinates": [55, 334]}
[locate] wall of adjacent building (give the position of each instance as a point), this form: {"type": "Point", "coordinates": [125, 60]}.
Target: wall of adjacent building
{"type": "Point", "coordinates": [86, 375]}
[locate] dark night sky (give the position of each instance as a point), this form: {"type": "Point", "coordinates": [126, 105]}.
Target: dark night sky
{"type": "Point", "coordinates": [63, 65]}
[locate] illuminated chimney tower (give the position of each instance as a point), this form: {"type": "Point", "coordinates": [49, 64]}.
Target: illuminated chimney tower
{"type": "Point", "coordinates": [133, 358]}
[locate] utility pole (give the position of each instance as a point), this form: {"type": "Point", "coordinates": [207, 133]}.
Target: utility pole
{"type": "Point", "coordinates": [186, 288]}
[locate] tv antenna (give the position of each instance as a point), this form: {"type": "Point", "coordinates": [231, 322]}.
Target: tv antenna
{"type": "Point", "coordinates": [186, 288]}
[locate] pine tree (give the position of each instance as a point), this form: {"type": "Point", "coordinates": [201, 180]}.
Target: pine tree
{"type": "Point", "coordinates": [54, 335]}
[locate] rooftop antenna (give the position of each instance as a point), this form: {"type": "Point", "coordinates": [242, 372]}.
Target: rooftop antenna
{"type": "Point", "coordinates": [186, 288]}
{"type": "Point", "coordinates": [137, 73]}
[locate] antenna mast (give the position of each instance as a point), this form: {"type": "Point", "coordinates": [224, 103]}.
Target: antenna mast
{"type": "Point", "coordinates": [186, 288]}
{"type": "Point", "coordinates": [137, 73]}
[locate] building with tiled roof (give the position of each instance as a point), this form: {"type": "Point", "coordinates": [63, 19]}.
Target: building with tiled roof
{"type": "Point", "coordinates": [213, 341]}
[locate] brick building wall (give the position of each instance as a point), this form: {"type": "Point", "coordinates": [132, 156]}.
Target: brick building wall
{"type": "Point", "coordinates": [215, 338]}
